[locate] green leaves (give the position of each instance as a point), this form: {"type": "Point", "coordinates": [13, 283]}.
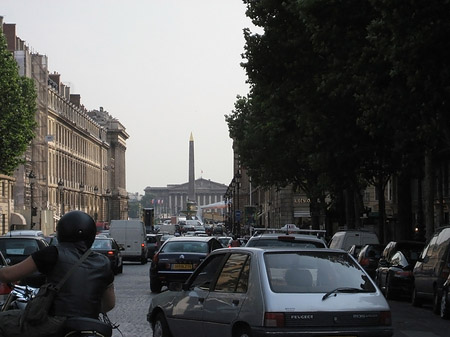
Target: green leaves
{"type": "Point", "coordinates": [342, 90]}
{"type": "Point", "coordinates": [17, 111]}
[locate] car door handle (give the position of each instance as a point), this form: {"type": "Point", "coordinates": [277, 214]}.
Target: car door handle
{"type": "Point", "coordinates": [235, 302]}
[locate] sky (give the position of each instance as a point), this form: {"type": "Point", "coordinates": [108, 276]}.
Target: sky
{"type": "Point", "coordinates": [163, 68]}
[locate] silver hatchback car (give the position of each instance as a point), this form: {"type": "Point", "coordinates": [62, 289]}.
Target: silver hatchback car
{"type": "Point", "coordinates": [253, 292]}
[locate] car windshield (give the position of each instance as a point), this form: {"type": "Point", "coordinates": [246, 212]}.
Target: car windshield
{"type": "Point", "coordinates": [101, 244]}
{"type": "Point", "coordinates": [275, 242]}
{"type": "Point", "coordinates": [185, 246]}
{"type": "Point", "coordinates": [314, 272]}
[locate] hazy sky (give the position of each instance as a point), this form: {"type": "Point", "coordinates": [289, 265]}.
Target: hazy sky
{"type": "Point", "coordinates": [164, 68]}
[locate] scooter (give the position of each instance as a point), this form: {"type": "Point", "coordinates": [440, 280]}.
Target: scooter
{"type": "Point", "coordinates": [20, 295]}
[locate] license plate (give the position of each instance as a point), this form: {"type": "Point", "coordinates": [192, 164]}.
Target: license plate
{"type": "Point", "coordinates": [182, 266]}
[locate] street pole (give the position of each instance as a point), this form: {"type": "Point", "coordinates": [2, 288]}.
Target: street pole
{"type": "Point", "coordinates": [32, 178]}
{"type": "Point", "coordinates": [61, 196]}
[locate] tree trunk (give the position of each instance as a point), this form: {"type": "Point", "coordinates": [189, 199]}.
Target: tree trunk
{"type": "Point", "coordinates": [349, 209]}
{"type": "Point", "coordinates": [429, 195]}
{"type": "Point", "coordinates": [358, 207]}
{"type": "Point", "coordinates": [405, 227]}
{"type": "Point", "coordinates": [440, 195]}
{"type": "Point", "coordinates": [381, 212]}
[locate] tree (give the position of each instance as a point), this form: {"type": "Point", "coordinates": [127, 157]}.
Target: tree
{"type": "Point", "coordinates": [17, 111]}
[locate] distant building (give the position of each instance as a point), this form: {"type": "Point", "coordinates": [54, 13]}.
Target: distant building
{"type": "Point", "coordinates": [172, 200]}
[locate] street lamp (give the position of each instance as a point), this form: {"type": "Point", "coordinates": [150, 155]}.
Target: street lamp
{"type": "Point", "coordinates": [108, 201]}
{"type": "Point", "coordinates": [95, 203]}
{"type": "Point", "coordinates": [81, 193]}
{"type": "Point", "coordinates": [32, 178]}
{"type": "Point", "coordinates": [61, 195]}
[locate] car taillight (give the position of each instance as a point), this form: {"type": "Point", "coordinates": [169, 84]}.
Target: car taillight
{"type": "Point", "coordinates": [4, 289]}
{"type": "Point", "coordinates": [364, 262]}
{"type": "Point", "coordinates": [274, 319]}
{"type": "Point", "coordinates": [403, 273]}
{"type": "Point", "coordinates": [385, 318]}
{"type": "Point", "coordinates": [110, 253]}
{"type": "Point", "coordinates": [155, 258]}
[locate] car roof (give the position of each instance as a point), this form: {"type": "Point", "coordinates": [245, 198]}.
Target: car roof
{"type": "Point", "coordinates": [263, 236]}
{"type": "Point", "coordinates": [280, 249]}
{"type": "Point", "coordinates": [192, 238]}
{"type": "Point", "coordinates": [20, 237]}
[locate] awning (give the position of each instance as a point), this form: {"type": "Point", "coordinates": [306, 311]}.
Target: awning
{"type": "Point", "coordinates": [18, 219]}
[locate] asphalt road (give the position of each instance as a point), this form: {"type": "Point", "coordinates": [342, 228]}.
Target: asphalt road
{"type": "Point", "coordinates": [133, 297]}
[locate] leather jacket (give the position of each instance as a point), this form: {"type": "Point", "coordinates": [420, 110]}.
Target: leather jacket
{"type": "Point", "coordinates": [82, 292]}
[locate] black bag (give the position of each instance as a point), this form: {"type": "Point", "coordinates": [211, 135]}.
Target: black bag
{"type": "Point", "coordinates": [38, 307]}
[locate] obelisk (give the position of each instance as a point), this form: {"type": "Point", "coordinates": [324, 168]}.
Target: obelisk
{"type": "Point", "coordinates": [191, 184]}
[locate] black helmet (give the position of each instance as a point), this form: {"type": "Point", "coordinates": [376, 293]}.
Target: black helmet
{"type": "Point", "coordinates": [76, 226]}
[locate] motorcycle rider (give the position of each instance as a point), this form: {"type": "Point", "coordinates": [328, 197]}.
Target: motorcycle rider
{"type": "Point", "coordinates": [88, 291]}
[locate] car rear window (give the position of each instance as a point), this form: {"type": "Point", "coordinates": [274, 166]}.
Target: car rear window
{"type": "Point", "coordinates": [312, 272]}
{"type": "Point", "coordinates": [101, 244]}
{"type": "Point", "coordinates": [275, 242]}
{"type": "Point", "coordinates": [18, 247]}
{"type": "Point", "coordinates": [187, 247]}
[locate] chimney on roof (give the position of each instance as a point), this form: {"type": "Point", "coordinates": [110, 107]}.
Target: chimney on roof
{"type": "Point", "coordinates": [75, 99]}
{"type": "Point", "coordinates": [9, 29]}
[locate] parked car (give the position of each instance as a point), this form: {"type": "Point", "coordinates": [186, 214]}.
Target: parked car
{"type": "Point", "coordinates": [345, 239]}
{"type": "Point", "coordinates": [18, 248]}
{"type": "Point", "coordinates": [394, 273]}
{"type": "Point", "coordinates": [444, 311]}
{"type": "Point", "coordinates": [274, 291]}
{"type": "Point", "coordinates": [368, 258]}
{"type": "Point", "coordinates": [153, 244]}
{"type": "Point", "coordinates": [4, 287]}
{"type": "Point", "coordinates": [110, 248]}
{"type": "Point", "coordinates": [286, 240]}
{"type": "Point", "coordinates": [432, 269]}
{"type": "Point", "coordinates": [177, 259]}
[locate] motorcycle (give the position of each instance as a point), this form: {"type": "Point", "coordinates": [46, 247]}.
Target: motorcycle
{"type": "Point", "coordinates": [20, 295]}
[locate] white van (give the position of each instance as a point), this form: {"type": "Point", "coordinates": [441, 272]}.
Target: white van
{"type": "Point", "coordinates": [130, 234]}
{"type": "Point", "coordinates": [345, 239]}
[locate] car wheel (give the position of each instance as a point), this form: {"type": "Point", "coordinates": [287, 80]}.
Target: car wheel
{"type": "Point", "coordinates": [160, 327]}
{"type": "Point", "coordinates": [436, 302]}
{"type": "Point", "coordinates": [144, 260]}
{"type": "Point", "coordinates": [415, 301]}
{"type": "Point", "coordinates": [243, 332]}
{"type": "Point", "coordinates": [445, 305]}
{"type": "Point", "coordinates": [120, 269]}
{"type": "Point", "coordinates": [155, 285]}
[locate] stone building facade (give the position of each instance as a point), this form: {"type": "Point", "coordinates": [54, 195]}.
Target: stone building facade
{"type": "Point", "coordinates": [76, 160]}
{"type": "Point", "coordinates": [172, 200]}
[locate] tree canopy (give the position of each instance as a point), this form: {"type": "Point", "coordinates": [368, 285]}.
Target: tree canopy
{"type": "Point", "coordinates": [17, 111]}
{"type": "Point", "coordinates": [342, 93]}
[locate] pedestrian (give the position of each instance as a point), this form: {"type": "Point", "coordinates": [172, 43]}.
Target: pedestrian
{"type": "Point", "coordinates": [235, 242]}
{"type": "Point", "coordinates": [88, 291]}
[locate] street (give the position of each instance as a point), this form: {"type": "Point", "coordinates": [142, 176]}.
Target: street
{"type": "Point", "coordinates": [133, 295]}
